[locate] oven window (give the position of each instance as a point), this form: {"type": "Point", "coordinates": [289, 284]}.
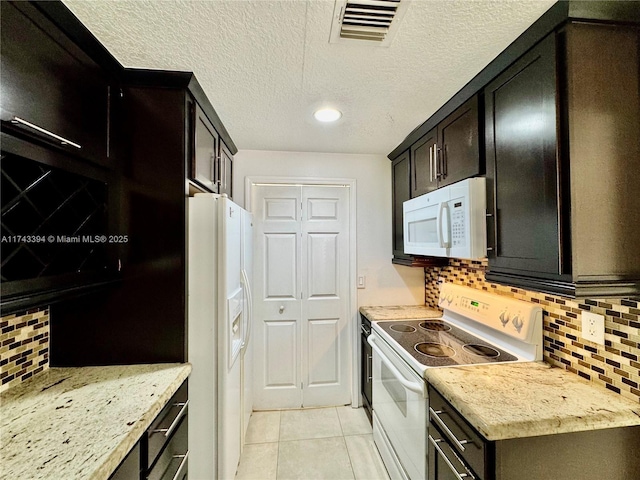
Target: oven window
{"type": "Point", "coordinates": [395, 389]}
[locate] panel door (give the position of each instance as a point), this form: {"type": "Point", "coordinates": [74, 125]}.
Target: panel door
{"type": "Point", "coordinates": [325, 296]}
{"type": "Point", "coordinates": [277, 226]}
{"type": "Point", "coordinates": [459, 155]}
{"type": "Point", "coordinates": [423, 172]}
{"type": "Point", "coordinates": [523, 190]}
{"type": "Point", "coordinates": [301, 323]}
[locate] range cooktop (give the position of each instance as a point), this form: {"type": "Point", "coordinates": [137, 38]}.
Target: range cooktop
{"type": "Point", "coordinates": [438, 343]}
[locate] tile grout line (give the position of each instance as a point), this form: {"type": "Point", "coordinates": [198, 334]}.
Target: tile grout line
{"type": "Point", "coordinates": [349, 456]}
{"type": "Point", "coordinates": [278, 450]}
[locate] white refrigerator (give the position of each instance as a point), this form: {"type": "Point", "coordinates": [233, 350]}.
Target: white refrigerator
{"type": "Point", "coordinates": [219, 325]}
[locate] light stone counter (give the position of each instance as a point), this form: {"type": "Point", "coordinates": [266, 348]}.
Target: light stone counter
{"type": "Point", "coordinates": [80, 423]}
{"type": "Point", "coordinates": [399, 312]}
{"type": "Point", "coordinates": [515, 400]}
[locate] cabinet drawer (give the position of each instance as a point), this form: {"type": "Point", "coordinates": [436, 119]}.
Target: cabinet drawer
{"type": "Point", "coordinates": [172, 463]}
{"type": "Point", "coordinates": [166, 423]}
{"type": "Point", "coordinates": [452, 424]}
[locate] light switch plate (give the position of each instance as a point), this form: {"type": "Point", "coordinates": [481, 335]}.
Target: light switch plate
{"type": "Point", "coordinates": [361, 281]}
{"type": "Point", "coordinates": [593, 327]}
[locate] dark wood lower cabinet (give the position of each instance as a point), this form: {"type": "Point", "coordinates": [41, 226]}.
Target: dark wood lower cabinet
{"type": "Point", "coordinates": [129, 469]}
{"type": "Point", "coordinates": [587, 455]}
{"type": "Point", "coordinates": [162, 452]}
{"type": "Point", "coordinates": [366, 363]}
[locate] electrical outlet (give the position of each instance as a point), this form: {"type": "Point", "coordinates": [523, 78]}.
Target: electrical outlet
{"type": "Point", "coordinates": [593, 327]}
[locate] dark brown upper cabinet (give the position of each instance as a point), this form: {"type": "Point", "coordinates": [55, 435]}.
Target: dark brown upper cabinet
{"type": "Point", "coordinates": [423, 172]}
{"type": "Point", "coordinates": [400, 193]}
{"type": "Point", "coordinates": [562, 144]}
{"type": "Point", "coordinates": [448, 153]}
{"type": "Point", "coordinates": [522, 165]}
{"type": "Point", "coordinates": [53, 93]}
{"type": "Point", "coordinates": [211, 165]}
{"type": "Point", "coordinates": [205, 165]}
{"type": "Point", "coordinates": [225, 181]}
{"type": "Point", "coordinates": [458, 146]}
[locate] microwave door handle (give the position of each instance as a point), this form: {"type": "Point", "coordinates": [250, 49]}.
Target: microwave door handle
{"type": "Point", "coordinates": [446, 215]}
{"type": "Point", "coordinates": [439, 225]}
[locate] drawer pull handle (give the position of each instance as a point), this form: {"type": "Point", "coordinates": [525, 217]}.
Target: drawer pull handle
{"type": "Point", "coordinates": [168, 431]}
{"type": "Point", "coordinates": [62, 140]}
{"type": "Point", "coordinates": [184, 458]}
{"type": "Point", "coordinates": [459, 443]}
{"type": "Point", "coordinates": [459, 476]}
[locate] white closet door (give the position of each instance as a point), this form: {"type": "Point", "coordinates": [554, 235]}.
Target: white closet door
{"type": "Point", "coordinates": [302, 349]}
{"type": "Point", "coordinates": [277, 301]}
{"type": "Point", "coordinates": [325, 296]}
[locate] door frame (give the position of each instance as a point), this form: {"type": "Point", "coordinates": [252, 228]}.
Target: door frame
{"type": "Point", "coordinates": [354, 331]}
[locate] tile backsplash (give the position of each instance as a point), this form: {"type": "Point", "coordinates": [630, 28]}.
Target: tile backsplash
{"type": "Point", "coordinates": [616, 365]}
{"type": "Point", "coordinates": [24, 346]}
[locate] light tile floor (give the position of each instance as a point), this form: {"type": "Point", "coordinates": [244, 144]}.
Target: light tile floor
{"type": "Point", "coordinates": [322, 443]}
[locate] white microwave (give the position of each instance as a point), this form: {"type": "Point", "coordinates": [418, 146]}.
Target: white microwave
{"type": "Point", "coordinates": [448, 222]}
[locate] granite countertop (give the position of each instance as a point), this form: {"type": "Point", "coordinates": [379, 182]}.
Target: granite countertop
{"type": "Point", "coordinates": [515, 400]}
{"type": "Point", "coordinates": [400, 312]}
{"type": "Point", "coordinates": [80, 423]}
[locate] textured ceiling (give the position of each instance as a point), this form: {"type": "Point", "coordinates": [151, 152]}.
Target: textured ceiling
{"type": "Point", "coordinates": [267, 65]}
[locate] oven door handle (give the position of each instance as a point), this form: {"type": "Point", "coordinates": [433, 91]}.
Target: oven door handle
{"type": "Point", "coordinates": [412, 386]}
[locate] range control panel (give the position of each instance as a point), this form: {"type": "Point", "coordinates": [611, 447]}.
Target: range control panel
{"type": "Point", "coordinates": [515, 318]}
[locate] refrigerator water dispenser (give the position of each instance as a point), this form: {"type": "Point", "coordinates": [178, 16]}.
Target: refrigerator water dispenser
{"type": "Point", "coordinates": [235, 311]}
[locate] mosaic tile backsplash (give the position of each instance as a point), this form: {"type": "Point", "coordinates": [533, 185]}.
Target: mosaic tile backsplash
{"type": "Point", "coordinates": [616, 365]}
{"type": "Point", "coordinates": [24, 346]}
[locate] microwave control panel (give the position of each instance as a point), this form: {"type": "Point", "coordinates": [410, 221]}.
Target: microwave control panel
{"type": "Point", "coordinates": [457, 224]}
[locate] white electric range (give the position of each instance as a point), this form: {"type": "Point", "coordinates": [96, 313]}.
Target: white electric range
{"type": "Point", "coordinates": [476, 327]}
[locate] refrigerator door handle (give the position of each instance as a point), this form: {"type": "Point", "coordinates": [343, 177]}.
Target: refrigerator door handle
{"type": "Point", "coordinates": [249, 317]}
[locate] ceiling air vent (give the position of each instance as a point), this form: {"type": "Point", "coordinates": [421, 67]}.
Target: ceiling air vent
{"type": "Point", "coordinates": [372, 22]}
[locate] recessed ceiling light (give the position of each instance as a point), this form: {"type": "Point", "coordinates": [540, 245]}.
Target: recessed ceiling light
{"type": "Point", "coordinates": [327, 115]}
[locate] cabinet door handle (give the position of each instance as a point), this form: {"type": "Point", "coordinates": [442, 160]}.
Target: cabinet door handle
{"type": "Point", "coordinates": [62, 140]}
{"type": "Point", "coordinates": [167, 431]}
{"type": "Point", "coordinates": [213, 168]}
{"type": "Point", "coordinates": [435, 161]}
{"type": "Point", "coordinates": [431, 163]}
{"type": "Point", "coordinates": [445, 170]}
{"type": "Point", "coordinates": [458, 475]}
{"type": "Point", "coordinates": [459, 443]}
{"type": "Point", "coordinates": [185, 459]}
{"type": "Point", "coordinates": [494, 217]}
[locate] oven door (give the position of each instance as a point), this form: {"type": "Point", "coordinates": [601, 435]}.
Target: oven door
{"type": "Point", "coordinates": [400, 404]}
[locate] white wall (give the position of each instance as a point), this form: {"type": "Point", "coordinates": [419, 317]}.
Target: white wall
{"type": "Point", "coordinates": [386, 284]}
